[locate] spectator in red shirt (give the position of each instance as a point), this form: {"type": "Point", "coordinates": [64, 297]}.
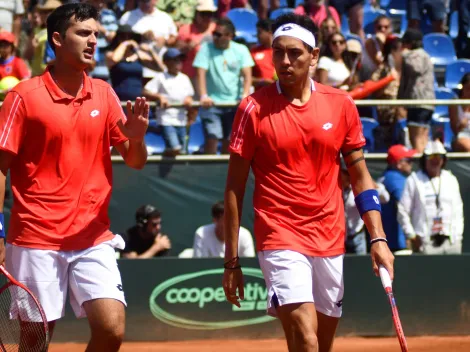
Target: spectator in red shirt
{"type": "Point", "coordinates": [10, 65]}
{"type": "Point", "coordinates": [191, 36]}
{"type": "Point", "coordinates": [318, 11]}
{"type": "Point", "coordinates": [263, 71]}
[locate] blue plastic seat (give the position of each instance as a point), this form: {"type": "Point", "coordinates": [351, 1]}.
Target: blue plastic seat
{"type": "Point", "coordinates": [393, 4]}
{"type": "Point", "coordinates": [441, 49]}
{"type": "Point", "coordinates": [155, 143]}
{"type": "Point", "coordinates": [368, 126]}
{"type": "Point", "coordinates": [279, 12]}
{"type": "Point", "coordinates": [244, 21]}
{"type": "Point", "coordinates": [369, 18]}
{"type": "Point", "coordinates": [455, 71]}
{"type": "Point", "coordinates": [196, 138]}
{"type": "Point", "coordinates": [440, 127]}
{"type": "Point", "coordinates": [443, 93]}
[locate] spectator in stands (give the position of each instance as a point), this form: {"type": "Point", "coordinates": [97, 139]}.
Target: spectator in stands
{"type": "Point", "coordinates": [400, 164]}
{"type": "Point", "coordinates": [36, 48]}
{"type": "Point", "coordinates": [263, 71]}
{"type": "Point", "coordinates": [220, 65]}
{"type": "Point", "coordinates": [460, 118]}
{"type": "Point", "coordinates": [11, 13]}
{"type": "Point", "coordinates": [334, 68]}
{"type": "Point", "coordinates": [462, 43]}
{"type": "Point", "coordinates": [374, 45]}
{"type": "Point", "coordinates": [156, 27]}
{"type": "Point", "coordinates": [107, 27]}
{"type": "Point", "coordinates": [354, 9]}
{"type": "Point", "coordinates": [318, 11]}
{"type": "Point", "coordinates": [430, 210]}
{"type": "Point", "coordinates": [11, 65]}
{"type": "Point", "coordinates": [171, 87]}
{"type": "Point", "coordinates": [265, 6]}
{"type": "Point", "coordinates": [209, 239]}
{"type": "Point", "coordinates": [225, 6]}
{"type": "Point", "coordinates": [327, 28]}
{"type": "Point", "coordinates": [417, 82]}
{"type": "Point", "coordinates": [126, 60]}
{"type": "Point", "coordinates": [145, 239]}
{"type": "Point", "coordinates": [355, 239]}
{"type": "Point", "coordinates": [387, 116]}
{"type": "Point", "coordinates": [191, 36]}
{"type": "Point", "coordinates": [436, 10]}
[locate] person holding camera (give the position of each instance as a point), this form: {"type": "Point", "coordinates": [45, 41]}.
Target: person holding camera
{"type": "Point", "coordinates": [430, 210]}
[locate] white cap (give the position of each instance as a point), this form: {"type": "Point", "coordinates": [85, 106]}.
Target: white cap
{"type": "Point", "coordinates": [206, 6]}
{"type": "Point", "coordinates": [435, 147]}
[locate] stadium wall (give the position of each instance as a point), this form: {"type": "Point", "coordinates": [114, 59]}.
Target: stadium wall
{"type": "Point", "coordinates": [182, 299]}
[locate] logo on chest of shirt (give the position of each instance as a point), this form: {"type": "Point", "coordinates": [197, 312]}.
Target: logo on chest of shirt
{"type": "Point", "coordinates": [259, 56]}
{"type": "Point", "coordinates": [94, 113]}
{"type": "Point", "coordinates": [8, 69]}
{"type": "Point", "coordinates": [327, 126]}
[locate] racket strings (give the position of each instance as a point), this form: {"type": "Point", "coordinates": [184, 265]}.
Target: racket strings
{"type": "Point", "coordinates": [22, 326]}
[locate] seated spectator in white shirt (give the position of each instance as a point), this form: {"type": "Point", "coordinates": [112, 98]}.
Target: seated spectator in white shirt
{"type": "Point", "coordinates": [169, 88]}
{"type": "Point", "coordinates": [209, 239]}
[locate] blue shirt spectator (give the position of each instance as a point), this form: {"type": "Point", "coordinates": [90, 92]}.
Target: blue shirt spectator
{"type": "Point", "coordinates": [394, 179]}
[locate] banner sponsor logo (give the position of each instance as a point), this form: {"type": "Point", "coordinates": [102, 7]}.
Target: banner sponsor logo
{"type": "Point", "coordinates": [197, 301]}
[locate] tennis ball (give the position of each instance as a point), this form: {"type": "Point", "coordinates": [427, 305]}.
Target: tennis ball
{"type": "Point", "coordinates": [6, 84]}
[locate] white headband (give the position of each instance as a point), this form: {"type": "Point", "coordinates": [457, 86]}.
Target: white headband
{"type": "Point", "coordinates": [296, 31]}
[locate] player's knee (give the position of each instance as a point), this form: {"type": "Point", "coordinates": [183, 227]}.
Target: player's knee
{"type": "Point", "coordinates": [308, 341]}
{"type": "Point", "coordinates": [112, 333]}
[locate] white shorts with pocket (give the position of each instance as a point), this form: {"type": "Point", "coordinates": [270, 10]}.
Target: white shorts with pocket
{"type": "Point", "coordinates": [292, 277]}
{"type": "Point", "coordinates": [89, 274]}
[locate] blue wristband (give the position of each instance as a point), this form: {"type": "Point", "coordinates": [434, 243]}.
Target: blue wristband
{"type": "Point", "coordinates": [367, 201]}
{"type": "Point", "coordinates": [2, 226]}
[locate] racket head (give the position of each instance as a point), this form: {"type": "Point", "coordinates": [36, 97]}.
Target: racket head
{"type": "Point", "coordinates": [21, 315]}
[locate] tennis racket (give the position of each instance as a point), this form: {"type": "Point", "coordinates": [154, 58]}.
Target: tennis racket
{"type": "Point", "coordinates": [23, 324]}
{"type": "Point", "coordinates": [387, 284]}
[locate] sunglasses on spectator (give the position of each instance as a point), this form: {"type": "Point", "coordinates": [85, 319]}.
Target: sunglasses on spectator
{"type": "Point", "coordinates": [383, 27]}
{"type": "Point", "coordinates": [218, 34]}
{"type": "Point", "coordinates": [434, 156]}
{"type": "Point", "coordinates": [336, 42]}
{"type": "Point", "coordinates": [206, 13]}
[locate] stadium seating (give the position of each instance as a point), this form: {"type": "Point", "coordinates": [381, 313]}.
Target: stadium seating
{"type": "Point", "coordinates": [369, 18]}
{"type": "Point", "coordinates": [368, 126]}
{"type": "Point", "coordinates": [393, 4]}
{"type": "Point", "coordinates": [354, 36]}
{"type": "Point", "coordinates": [441, 49]}
{"type": "Point", "coordinates": [245, 23]}
{"type": "Point", "coordinates": [155, 143]}
{"type": "Point", "coordinates": [196, 138]}
{"type": "Point", "coordinates": [440, 127]}
{"type": "Point", "coordinates": [443, 93]}
{"type": "Point", "coordinates": [279, 12]}
{"type": "Point", "coordinates": [454, 25]}
{"type": "Point", "coordinates": [455, 71]}
{"type": "Point", "coordinates": [345, 25]}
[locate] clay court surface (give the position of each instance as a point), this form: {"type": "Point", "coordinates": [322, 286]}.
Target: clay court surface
{"type": "Point", "coordinates": [343, 344]}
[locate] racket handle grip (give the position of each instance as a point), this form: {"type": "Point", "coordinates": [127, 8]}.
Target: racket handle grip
{"type": "Point", "coordinates": [385, 277]}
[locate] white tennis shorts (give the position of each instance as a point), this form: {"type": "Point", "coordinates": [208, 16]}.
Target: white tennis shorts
{"type": "Point", "coordinates": [292, 277]}
{"type": "Point", "coordinates": [90, 274]}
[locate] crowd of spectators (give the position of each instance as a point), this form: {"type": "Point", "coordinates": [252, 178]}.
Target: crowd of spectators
{"type": "Point", "coordinates": [194, 52]}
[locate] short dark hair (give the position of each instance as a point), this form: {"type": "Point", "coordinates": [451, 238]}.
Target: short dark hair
{"type": "Point", "coordinates": [413, 37]}
{"type": "Point", "coordinates": [300, 20]}
{"type": "Point", "coordinates": [380, 18]}
{"type": "Point", "coordinates": [59, 19]}
{"type": "Point", "coordinates": [227, 24]}
{"type": "Point", "coordinates": [218, 210]}
{"type": "Point", "coordinates": [146, 212]}
{"type": "Point", "coordinates": [265, 25]}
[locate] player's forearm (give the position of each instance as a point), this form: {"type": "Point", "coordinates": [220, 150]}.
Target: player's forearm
{"type": "Point", "coordinates": [232, 215]}
{"type": "Point", "coordinates": [136, 155]}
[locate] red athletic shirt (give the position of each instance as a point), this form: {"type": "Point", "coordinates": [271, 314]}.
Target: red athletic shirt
{"type": "Point", "coordinates": [263, 58]}
{"type": "Point", "coordinates": [61, 175]}
{"type": "Point", "coordinates": [295, 158]}
{"type": "Point", "coordinates": [14, 66]}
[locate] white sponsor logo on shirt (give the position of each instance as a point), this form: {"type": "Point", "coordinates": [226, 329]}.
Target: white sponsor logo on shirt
{"type": "Point", "coordinates": [94, 113]}
{"type": "Point", "coordinates": [327, 126]}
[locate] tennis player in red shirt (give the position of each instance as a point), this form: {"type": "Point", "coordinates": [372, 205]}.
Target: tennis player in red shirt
{"type": "Point", "coordinates": [291, 134]}
{"type": "Point", "coordinates": [56, 132]}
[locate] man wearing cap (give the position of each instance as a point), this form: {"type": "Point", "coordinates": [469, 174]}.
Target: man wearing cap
{"type": "Point", "coordinates": [291, 134]}
{"type": "Point", "coordinates": [430, 210]}
{"type": "Point", "coordinates": [192, 35]}
{"type": "Point", "coordinates": [399, 160]}
{"type": "Point", "coordinates": [11, 65]}
{"type": "Point", "coordinates": [11, 13]}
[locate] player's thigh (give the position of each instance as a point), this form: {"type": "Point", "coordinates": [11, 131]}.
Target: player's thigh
{"type": "Point", "coordinates": [44, 272]}
{"type": "Point", "coordinates": [299, 321]}
{"type": "Point", "coordinates": [106, 316]}
{"type": "Point", "coordinates": [94, 274]}
{"type": "Point", "coordinates": [288, 277]}
{"type": "Point", "coordinates": [328, 285]}
{"type": "Point", "coordinates": [212, 122]}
